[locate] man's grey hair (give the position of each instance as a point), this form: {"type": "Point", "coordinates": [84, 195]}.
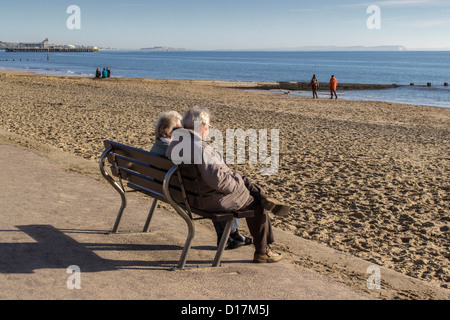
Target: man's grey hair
{"type": "Point", "coordinates": [195, 114]}
{"type": "Point", "coordinates": [165, 124]}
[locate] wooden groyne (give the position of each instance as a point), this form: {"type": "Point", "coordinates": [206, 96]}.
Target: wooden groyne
{"type": "Point", "coordinates": [280, 85]}
{"type": "Point", "coordinates": [261, 85]}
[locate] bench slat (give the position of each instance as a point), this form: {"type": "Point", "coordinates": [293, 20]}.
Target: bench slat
{"type": "Point", "coordinates": [140, 181]}
{"type": "Point", "coordinates": [155, 173]}
{"type": "Point", "coordinates": [216, 217]}
{"type": "Point", "coordinates": [243, 214]}
{"type": "Point", "coordinates": [142, 168]}
{"type": "Point", "coordinates": [126, 173]}
{"type": "Point", "coordinates": [146, 191]}
{"type": "Point", "coordinates": [140, 155]}
{"type": "Point", "coordinates": [139, 160]}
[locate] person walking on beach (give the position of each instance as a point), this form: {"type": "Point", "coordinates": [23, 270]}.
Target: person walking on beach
{"type": "Point", "coordinates": [314, 86]}
{"type": "Point", "coordinates": [224, 190]}
{"type": "Point", "coordinates": [333, 86]}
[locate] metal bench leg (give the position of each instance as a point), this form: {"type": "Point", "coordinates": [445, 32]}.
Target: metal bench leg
{"type": "Point", "coordinates": [188, 243]}
{"type": "Point", "coordinates": [183, 214]}
{"type": "Point", "coordinates": [115, 186]}
{"type": "Point", "coordinates": [119, 215]}
{"type": "Point", "coordinates": [150, 215]}
{"type": "Point", "coordinates": [223, 243]}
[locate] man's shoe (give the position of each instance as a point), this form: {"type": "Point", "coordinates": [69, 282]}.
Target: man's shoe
{"type": "Point", "coordinates": [234, 244]}
{"type": "Point", "coordinates": [268, 257]}
{"type": "Point", "coordinates": [240, 237]}
{"type": "Point", "coordinates": [231, 243]}
{"type": "Point", "coordinates": [276, 207]}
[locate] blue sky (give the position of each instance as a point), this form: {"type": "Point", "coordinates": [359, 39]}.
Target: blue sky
{"type": "Point", "coordinates": [228, 24]}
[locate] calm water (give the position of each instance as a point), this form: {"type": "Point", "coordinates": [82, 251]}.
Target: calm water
{"type": "Point", "coordinates": [400, 68]}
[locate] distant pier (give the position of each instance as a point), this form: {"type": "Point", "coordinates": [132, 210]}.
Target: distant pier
{"type": "Point", "coordinates": [44, 46]}
{"type": "Point", "coordinates": [51, 50]}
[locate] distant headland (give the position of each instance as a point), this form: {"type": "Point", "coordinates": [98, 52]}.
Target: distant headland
{"type": "Point", "coordinates": [163, 49]}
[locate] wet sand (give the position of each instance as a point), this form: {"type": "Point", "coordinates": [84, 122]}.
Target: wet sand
{"type": "Point", "coordinates": [368, 178]}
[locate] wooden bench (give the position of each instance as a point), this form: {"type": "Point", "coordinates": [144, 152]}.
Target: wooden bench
{"type": "Point", "coordinates": [160, 179]}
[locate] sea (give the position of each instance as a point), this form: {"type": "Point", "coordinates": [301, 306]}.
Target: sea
{"type": "Point", "coordinates": [402, 68]}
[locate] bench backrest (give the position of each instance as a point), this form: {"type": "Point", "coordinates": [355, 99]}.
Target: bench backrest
{"type": "Point", "coordinates": [145, 172]}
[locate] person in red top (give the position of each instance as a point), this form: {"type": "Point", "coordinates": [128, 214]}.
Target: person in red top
{"type": "Point", "coordinates": [333, 86]}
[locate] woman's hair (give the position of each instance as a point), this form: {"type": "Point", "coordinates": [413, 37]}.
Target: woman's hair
{"type": "Point", "coordinates": [165, 124]}
{"type": "Point", "coordinates": [195, 114]}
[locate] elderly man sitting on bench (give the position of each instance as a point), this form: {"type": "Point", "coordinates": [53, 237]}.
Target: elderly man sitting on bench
{"type": "Point", "coordinates": [166, 123]}
{"type": "Point", "coordinates": [224, 190]}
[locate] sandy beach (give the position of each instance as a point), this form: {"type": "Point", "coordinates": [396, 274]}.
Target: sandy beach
{"type": "Point", "coordinates": [368, 178]}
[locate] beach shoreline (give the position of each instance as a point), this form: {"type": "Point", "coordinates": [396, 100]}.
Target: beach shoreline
{"type": "Point", "coordinates": [238, 84]}
{"type": "Point", "coordinates": [364, 177]}
{"type": "Point", "coordinates": [363, 92]}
